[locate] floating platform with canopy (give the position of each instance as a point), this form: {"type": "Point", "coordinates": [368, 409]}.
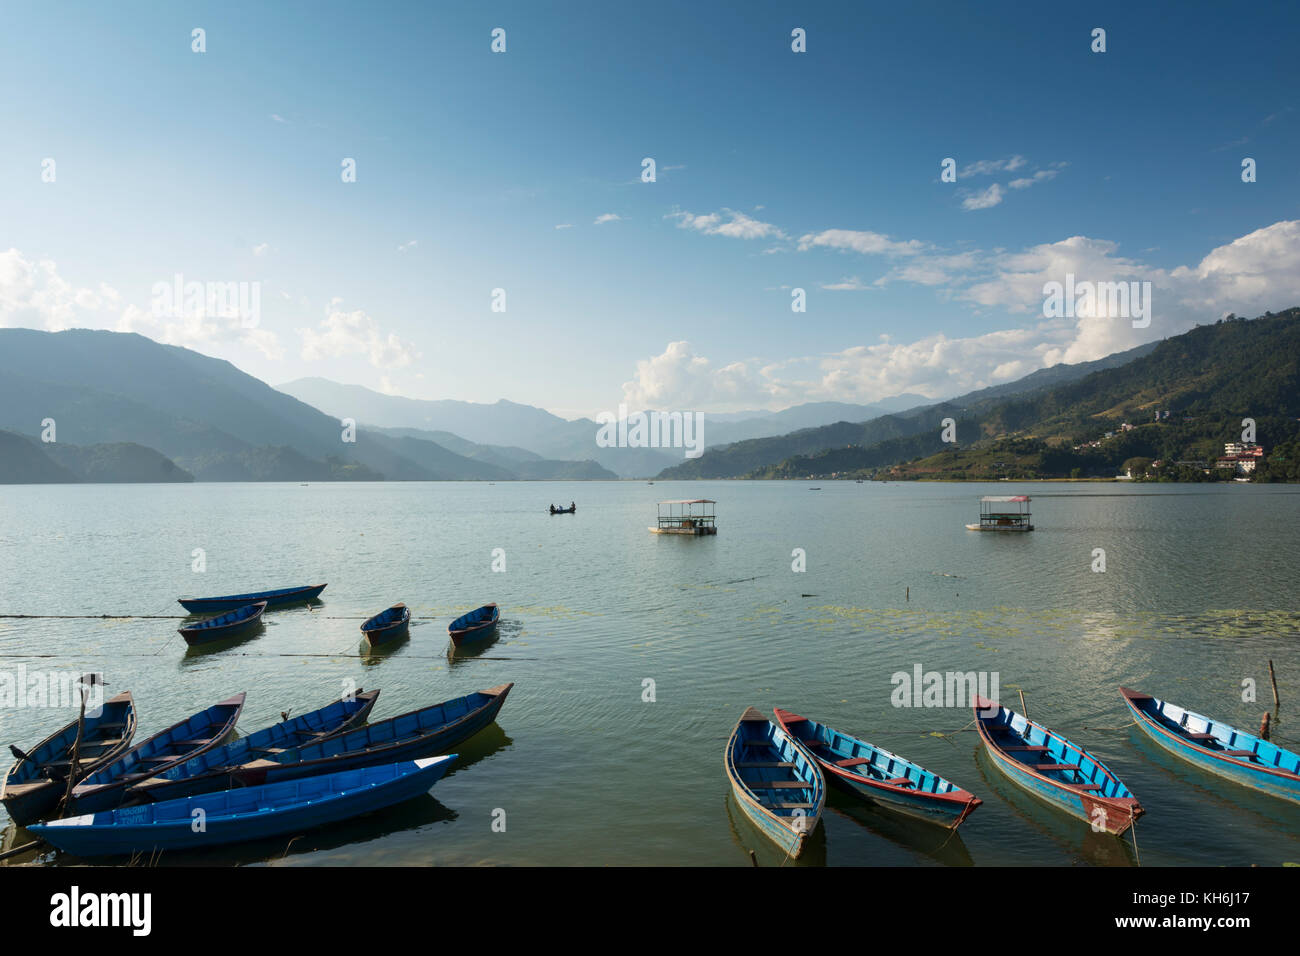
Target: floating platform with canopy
{"type": "Point", "coordinates": [694, 516]}
{"type": "Point", "coordinates": [1003, 513]}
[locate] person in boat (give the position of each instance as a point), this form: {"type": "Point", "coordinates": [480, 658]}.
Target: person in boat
{"type": "Point", "coordinates": [552, 509]}
{"type": "Point", "coordinates": [573, 507]}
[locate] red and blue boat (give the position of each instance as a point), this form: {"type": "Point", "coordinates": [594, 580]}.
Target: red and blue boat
{"type": "Point", "coordinates": [879, 776]}
{"type": "Point", "coordinates": [1216, 747]}
{"type": "Point", "coordinates": [1055, 770]}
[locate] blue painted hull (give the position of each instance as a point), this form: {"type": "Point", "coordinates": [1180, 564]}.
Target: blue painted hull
{"type": "Point", "coordinates": [33, 787]}
{"type": "Point", "coordinates": [474, 626]}
{"type": "Point", "coordinates": [237, 816]}
{"type": "Point", "coordinates": [776, 783]}
{"type": "Point", "coordinates": [1055, 770]}
{"type": "Point", "coordinates": [191, 737]}
{"type": "Point", "coordinates": [422, 733]}
{"type": "Point", "coordinates": [231, 624]}
{"type": "Point", "coordinates": [207, 771]}
{"type": "Point", "coordinates": [1233, 754]}
{"type": "Point", "coordinates": [878, 776]}
{"type": "Point", "coordinates": [231, 602]}
{"type": "Point", "coordinates": [389, 625]}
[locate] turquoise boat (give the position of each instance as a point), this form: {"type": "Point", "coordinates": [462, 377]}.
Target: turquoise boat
{"type": "Point", "coordinates": [251, 813]}
{"type": "Point", "coordinates": [1055, 770]}
{"type": "Point", "coordinates": [776, 783]}
{"type": "Point", "coordinates": [1216, 747]}
{"type": "Point", "coordinates": [878, 776]}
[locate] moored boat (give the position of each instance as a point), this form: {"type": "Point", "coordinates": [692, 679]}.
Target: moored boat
{"type": "Point", "coordinates": [182, 741]}
{"type": "Point", "coordinates": [475, 625]}
{"type": "Point", "coordinates": [694, 516]}
{"type": "Point", "coordinates": [39, 778]}
{"type": "Point", "coordinates": [231, 624]}
{"type": "Point", "coordinates": [996, 514]}
{"type": "Point", "coordinates": [879, 776]}
{"type": "Point", "coordinates": [250, 813]}
{"type": "Point", "coordinates": [419, 733]}
{"type": "Point", "coordinates": [776, 783]}
{"type": "Point", "coordinates": [1217, 747]}
{"type": "Point", "coordinates": [388, 625]}
{"type": "Point", "coordinates": [1055, 770]}
{"type": "Point", "coordinates": [231, 602]}
{"type": "Point", "coordinates": [194, 775]}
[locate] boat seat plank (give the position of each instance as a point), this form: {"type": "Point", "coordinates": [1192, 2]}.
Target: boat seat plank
{"type": "Point", "coordinates": [1087, 786]}
{"type": "Point", "coordinates": [192, 743]}
{"type": "Point", "coordinates": [778, 785]}
{"type": "Point", "coordinates": [900, 782]}
{"type": "Point", "coordinates": [762, 764]}
{"type": "Point", "coordinates": [789, 806]}
{"type": "Point", "coordinates": [1056, 766]}
{"type": "Point", "coordinates": [1238, 753]}
{"type": "Point", "coordinates": [853, 762]}
{"type": "Point", "coordinates": [1203, 736]}
{"type": "Point", "coordinates": [1025, 748]}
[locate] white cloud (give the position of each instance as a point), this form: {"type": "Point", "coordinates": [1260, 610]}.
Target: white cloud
{"type": "Point", "coordinates": [729, 223]}
{"type": "Point", "coordinates": [867, 243]}
{"type": "Point", "coordinates": [1041, 176]}
{"type": "Point", "coordinates": [679, 380]}
{"type": "Point", "coordinates": [278, 118]}
{"type": "Point", "coordinates": [987, 167]}
{"type": "Point", "coordinates": [847, 284]}
{"type": "Point", "coordinates": [409, 244]}
{"type": "Point", "coordinates": [261, 248]}
{"type": "Point", "coordinates": [984, 199]}
{"type": "Point", "coordinates": [353, 333]}
{"type": "Point", "coordinates": [565, 225]}
{"type": "Point", "coordinates": [607, 217]}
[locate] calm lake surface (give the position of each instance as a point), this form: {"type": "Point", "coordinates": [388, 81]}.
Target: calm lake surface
{"type": "Point", "coordinates": [1198, 594]}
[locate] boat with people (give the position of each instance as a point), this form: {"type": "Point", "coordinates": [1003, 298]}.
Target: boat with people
{"type": "Point", "coordinates": [572, 509]}
{"type": "Point", "coordinates": [692, 516]}
{"type": "Point", "coordinates": [997, 515]}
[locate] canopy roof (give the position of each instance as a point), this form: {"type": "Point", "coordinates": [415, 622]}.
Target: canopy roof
{"type": "Point", "coordinates": [691, 501]}
{"type": "Point", "coordinates": [1005, 498]}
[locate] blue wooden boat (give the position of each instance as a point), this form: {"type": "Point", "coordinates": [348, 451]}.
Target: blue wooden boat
{"type": "Point", "coordinates": [420, 733]}
{"type": "Point", "coordinates": [231, 602]}
{"type": "Point", "coordinates": [236, 816]}
{"type": "Point", "coordinates": [196, 774]}
{"type": "Point", "coordinates": [777, 784]}
{"type": "Point", "coordinates": [210, 728]}
{"type": "Point", "coordinates": [388, 625]}
{"type": "Point", "coordinates": [880, 776]}
{"type": "Point", "coordinates": [1055, 770]}
{"type": "Point", "coordinates": [38, 779]}
{"type": "Point", "coordinates": [475, 625]}
{"type": "Point", "coordinates": [231, 624]}
{"type": "Point", "coordinates": [1216, 747]}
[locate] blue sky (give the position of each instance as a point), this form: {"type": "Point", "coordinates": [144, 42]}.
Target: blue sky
{"type": "Point", "coordinates": [776, 170]}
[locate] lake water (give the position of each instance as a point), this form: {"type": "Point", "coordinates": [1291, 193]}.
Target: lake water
{"type": "Point", "coordinates": [1198, 594]}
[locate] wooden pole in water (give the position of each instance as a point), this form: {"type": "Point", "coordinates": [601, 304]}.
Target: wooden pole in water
{"type": "Point", "coordinates": [1023, 709]}
{"type": "Point", "coordinates": [753, 858]}
{"type": "Point", "coordinates": [1273, 677]}
{"type": "Point", "coordinates": [1263, 727]}
{"type": "Point", "coordinates": [909, 594]}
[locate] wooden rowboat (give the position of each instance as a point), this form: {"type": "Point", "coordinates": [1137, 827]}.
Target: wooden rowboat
{"type": "Point", "coordinates": [1216, 747]}
{"type": "Point", "coordinates": [420, 733]}
{"type": "Point", "coordinates": [777, 784]}
{"type": "Point", "coordinates": [236, 816]}
{"type": "Point", "coordinates": [231, 602]}
{"type": "Point", "coordinates": [880, 776]}
{"type": "Point", "coordinates": [475, 625]}
{"type": "Point", "coordinates": [388, 625]}
{"type": "Point", "coordinates": [339, 717]}
{"type": "Point", "coordinates": [1055, 770]}
{"type": "Point", "coordinates": [194, 735]}
{"type": "Point", "coordinates": [35, 783]}
{"type": "Point", "coordinates": [230, 624]}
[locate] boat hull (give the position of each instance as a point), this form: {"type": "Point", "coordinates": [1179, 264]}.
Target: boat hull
{"type": "Point", "coordinates": [231, 602]}
{"type": "Point", "coordinates": [244, 619]}
{"type": "Point", "coordinates": [378, 631]}
{"type": "Point", "coordinates": [241, 815]}
{"type": "Point", "coordinates": [691, 532]}
{"type": "Point", "coordinates": [1113, 812]}
{"type": "Point", "coordinates": [761, 758]}
{"type": "Point", "coordinates": [929, 797]}
{"type": "Point", "coordinates": [1275, 781]}
{"type": "Point", "coordinates": [30, 798]}
{"type": "Point", "coordinates": [464, 630]}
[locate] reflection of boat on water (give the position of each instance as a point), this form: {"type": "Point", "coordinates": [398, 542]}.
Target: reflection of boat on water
{"type": "Point", "coordinates": [1079, 843]}
{"type": "Point", "coordinates": [908, 834]}
{"type": "Point", "coordinates": [766, 853]}
{"type": "Point", "coordinates": [995, 515]}
{"type": "Point", "coordinates": [693, 516]}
